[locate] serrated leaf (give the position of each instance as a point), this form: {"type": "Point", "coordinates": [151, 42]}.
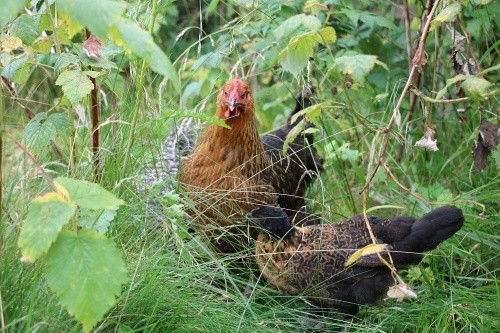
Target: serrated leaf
{"type": "Point", "coordinates": [447, 15]}
{"type": "Point", "coordinates": [38, 132]}
{"type": "Point", "coordinates": [291, 24]}
{"type": "Point", "coordinates": [9, 10]}
{"type": "Point", "coordinates": [300, 48]}
{"type": "Point", "coordinates": [366, 251]}
{"type": "Point", "coordinates": [75, 85]}
{"type": "Point", "coordinates": [68, 26]}
{"type": "Point", "coordinates": [475, 87]}
{"type": "Point", "coordinates": [65, 60]}
{"type": "Point", "coordinates": [60, 122]}
{"type": "Point", "coordinates": [358, 66]}
{"type": "Point", "coordinates": [86, 271]}
{"type": "Point", "coordinates": [89, 195]}
{"type": "Point", "coordinates": [130, 36]}
{"type": "Point", "coordinates": [25, 28]}
{"type": "Point", "coordinates": [47, 214]}
{"type": "Point", "coordinates": [98, 16]}
{"type": "Point", "coordinates": [97, 220]}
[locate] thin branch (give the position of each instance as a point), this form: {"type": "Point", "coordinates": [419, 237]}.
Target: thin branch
{"type": "Point", "coordinates": [33, 159]}
{"type": "Point", "coordinates": [469, 43]}
{"type": "Point", "coordinates": [418, 60]}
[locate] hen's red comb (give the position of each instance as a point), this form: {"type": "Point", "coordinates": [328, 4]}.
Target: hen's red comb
{"type": "Point", "coordinates": [234, 92]}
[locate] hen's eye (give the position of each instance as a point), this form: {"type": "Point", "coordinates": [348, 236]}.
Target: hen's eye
{"type": "Point", "coordinates": [225, 93]}
{"type": "Point", "coordinates": [244, 95]}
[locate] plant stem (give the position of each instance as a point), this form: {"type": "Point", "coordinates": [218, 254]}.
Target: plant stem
{"type": "Point", "coordinates": [94, 104]}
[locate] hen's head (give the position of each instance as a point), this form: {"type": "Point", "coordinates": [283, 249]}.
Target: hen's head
{"type": "Point", "coordinates": [272, 219]}
{"type": "Point", "coordinates": [234, 99]}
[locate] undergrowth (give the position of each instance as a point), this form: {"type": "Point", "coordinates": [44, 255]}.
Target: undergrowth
{"type": "Point", "coordinates": [177, 283]}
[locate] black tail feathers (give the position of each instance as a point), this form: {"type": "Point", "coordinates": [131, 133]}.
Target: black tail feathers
{"type": "Point", "coordinates": [426, 233]}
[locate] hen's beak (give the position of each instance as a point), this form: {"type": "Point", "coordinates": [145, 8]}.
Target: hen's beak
{"type": "Point", "coordinates": [232, 103]}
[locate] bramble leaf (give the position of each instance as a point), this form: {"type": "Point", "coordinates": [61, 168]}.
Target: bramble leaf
{"type": "Point", "coordinates": [447, 15]}
{"type": "Point", "coordinates": [47, 214]}
{"type": "Point", "coordinates": [86, 271]}
{"type": "Point", "coordinates": [43, 128]}
{"type": "Point", "coordinates": [300, 48]}
{"type": "Point", "coordinates": [75, 85]}
{"type": "Point", "coordinates": [358, 66]}
{"type": "Point", "coordinates": [89, 195]}
{"type": "Point", "coordinates": [97, 220]}
{"type": "Point", "coordinates": [295, 22]}
{"type": "Point", "coordinates": [25, 28]}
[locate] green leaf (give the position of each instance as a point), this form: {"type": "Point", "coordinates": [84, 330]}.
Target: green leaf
{"type": "Point", "coordinates": [294, 132]}
{"type": "Point", "coordinates": [358, 66]}
{"type": "Point", "coordinates": [38, 132]}
{"type": "Point", "coordinates": [65, 60]}
{"type": "Point", "coordinates": [367, 18]}
{"type": "Point", "coordinates": [447, 15]}
{"type": "Point", "coordinates": [97, 220]}
{"type": "Point", "coordinates": [130, 36]}
{"type": "Point", "coordinates": [86, 271]}
{"type": "Point", "coordinates": [9, 10]}
{"type": "Point", "coordinates": [60, 122]}
{"type": "Point", "coordinates": [449, 82]}
{"type": "Point", "coordinates": [75, 85]}
{"type": "Point", "coordinates": [47, 214]}
{"type": "Point", "coordinates": [89, 195]}
{"type": "Point", "coordinates": [294, 23]}
{"type": "Point", "coordinates": [300, 48]}
{"type": "Point", "coordinates": [98, 16]}
{"type": "Point", "coordinates": [475, 87]}
{"type": "Point", "coordinates": [25, 28]}
{"type": "Point", "coordinates": [18, 70]}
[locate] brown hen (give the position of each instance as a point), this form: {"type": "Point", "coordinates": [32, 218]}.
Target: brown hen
{"type": "Point", "coordinates": [231, 171]}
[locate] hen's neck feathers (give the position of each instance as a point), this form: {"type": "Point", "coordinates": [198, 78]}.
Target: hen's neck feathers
{"type": "Point", "coordinates": [241, 144]}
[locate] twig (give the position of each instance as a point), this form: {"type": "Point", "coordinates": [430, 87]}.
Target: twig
{"type": "Point", "coordinates": [437, 101]}
{"type": "Point", "coordinates": [469, 43]}
{"type": "Point", "coordinates": [418, 60]}
{"type": "Point", "coordinates": [33, 159]}
{"type": "Point", "coordinates": [2, 319]}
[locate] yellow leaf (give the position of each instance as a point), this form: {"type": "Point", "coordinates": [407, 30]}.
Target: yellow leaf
{"type": "Point", "coordinates": [51, 196]}
{"type": "Point", "coordinates": [11, 43]}
{"type": "Point", "coordinates": [366, 251]}
{"type": "Point", "coordinates": [61, 190]}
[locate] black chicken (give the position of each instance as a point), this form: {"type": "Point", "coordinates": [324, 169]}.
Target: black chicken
{"type": "Point", "coordinates": [312, 260]}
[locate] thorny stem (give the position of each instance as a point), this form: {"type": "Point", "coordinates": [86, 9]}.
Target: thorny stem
{"type": "Point", "coordinates": [419, 53]}
{"type": "Point", "coordinates": [94, 105]}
